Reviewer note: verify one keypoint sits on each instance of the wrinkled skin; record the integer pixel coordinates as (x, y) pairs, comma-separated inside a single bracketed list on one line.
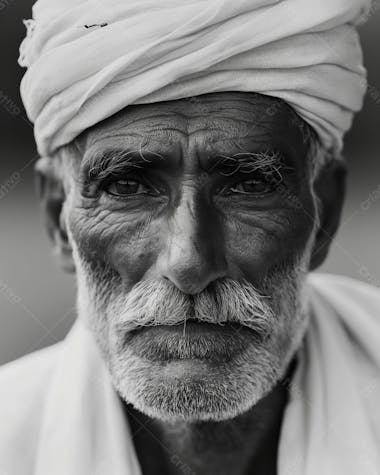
[(179, 218)]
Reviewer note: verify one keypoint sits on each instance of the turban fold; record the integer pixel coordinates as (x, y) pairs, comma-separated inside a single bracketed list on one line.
[(89, 59)]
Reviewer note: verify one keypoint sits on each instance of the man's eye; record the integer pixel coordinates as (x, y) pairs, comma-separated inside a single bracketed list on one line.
[(126, 188), (257, 186)]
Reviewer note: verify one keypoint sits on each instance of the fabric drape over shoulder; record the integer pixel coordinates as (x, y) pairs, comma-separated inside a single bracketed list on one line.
[(88, 59)]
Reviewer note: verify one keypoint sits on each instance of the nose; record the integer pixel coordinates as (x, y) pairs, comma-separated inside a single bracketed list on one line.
[(193, 254)]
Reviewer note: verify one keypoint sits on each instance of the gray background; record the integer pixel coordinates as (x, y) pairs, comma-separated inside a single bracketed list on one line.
[(37, 301)]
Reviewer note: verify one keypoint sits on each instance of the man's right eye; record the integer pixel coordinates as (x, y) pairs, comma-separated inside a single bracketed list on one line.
[(127, 187)]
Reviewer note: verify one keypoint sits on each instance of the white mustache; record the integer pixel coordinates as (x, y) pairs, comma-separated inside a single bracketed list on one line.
[(158, 302)]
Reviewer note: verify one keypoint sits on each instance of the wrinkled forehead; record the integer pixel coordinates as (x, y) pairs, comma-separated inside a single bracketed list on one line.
[(226, 120)]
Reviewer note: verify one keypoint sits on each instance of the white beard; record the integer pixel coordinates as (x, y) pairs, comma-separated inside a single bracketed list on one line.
[(228, 390)]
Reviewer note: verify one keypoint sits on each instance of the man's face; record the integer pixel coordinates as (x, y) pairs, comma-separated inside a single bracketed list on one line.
[(191, 223)]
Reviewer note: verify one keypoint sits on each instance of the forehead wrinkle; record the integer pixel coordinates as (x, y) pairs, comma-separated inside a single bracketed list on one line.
[(219, 109), (244, 110), (238, 143), (193, 122), (141, 123), (206, 124), (193, 129), (128, 140), (246, 101), (147, 132)]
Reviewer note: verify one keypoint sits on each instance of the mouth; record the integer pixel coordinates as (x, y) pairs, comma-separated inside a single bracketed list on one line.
[(191, 340)]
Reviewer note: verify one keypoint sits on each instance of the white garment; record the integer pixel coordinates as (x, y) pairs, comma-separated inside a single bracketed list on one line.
[(88, 59), (59, 414)]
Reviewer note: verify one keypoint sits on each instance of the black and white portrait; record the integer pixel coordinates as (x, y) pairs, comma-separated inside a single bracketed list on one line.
[(190, 271)]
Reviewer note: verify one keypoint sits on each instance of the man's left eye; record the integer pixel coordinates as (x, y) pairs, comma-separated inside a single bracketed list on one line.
[(252, 186), (127, 188)]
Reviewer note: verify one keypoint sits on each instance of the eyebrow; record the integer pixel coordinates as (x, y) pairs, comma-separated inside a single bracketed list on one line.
[(266, 162), (114, 161)]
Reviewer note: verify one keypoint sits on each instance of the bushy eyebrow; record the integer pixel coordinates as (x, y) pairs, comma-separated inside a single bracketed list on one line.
[(270, 162), (101, 164)]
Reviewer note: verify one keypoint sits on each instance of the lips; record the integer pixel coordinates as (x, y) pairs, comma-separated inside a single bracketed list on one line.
[(194, 340)]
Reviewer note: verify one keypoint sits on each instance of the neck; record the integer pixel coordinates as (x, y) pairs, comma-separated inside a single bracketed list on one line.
[(247, 443)]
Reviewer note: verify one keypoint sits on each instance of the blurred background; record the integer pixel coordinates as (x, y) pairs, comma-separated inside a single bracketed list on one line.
[(37, 300)]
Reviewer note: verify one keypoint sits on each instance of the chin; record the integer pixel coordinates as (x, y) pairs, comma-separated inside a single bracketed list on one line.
[(208, 374)]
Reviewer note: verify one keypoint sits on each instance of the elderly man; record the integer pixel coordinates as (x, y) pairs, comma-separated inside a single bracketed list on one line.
[(192, 177)]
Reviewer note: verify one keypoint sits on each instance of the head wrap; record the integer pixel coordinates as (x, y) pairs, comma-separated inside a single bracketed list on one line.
[(88, 59)]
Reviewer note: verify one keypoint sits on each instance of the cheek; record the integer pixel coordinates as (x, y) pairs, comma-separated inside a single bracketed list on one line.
[(135, 249), (128, 246), (257, 244)]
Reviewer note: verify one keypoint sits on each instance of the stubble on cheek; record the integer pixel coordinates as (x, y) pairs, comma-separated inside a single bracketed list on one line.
[(111, 252)]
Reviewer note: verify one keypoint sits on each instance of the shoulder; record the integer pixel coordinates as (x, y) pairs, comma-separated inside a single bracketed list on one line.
[(24, 370), (24, 384), (338, 288), (355, 305)]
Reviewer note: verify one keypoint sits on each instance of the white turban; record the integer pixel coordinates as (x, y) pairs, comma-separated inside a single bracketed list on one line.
[(88, 59)]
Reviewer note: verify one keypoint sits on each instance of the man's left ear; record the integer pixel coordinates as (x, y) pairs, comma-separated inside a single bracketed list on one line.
[(330, 188), (52, 196)]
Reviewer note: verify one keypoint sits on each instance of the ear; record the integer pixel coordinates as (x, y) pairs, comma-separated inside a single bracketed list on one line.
[(52, 196), (330, 189)]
